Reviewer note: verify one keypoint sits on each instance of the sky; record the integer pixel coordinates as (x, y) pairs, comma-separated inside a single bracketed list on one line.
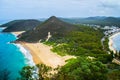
[(35, 9)]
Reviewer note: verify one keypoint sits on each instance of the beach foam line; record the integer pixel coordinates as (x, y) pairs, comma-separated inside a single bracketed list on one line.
[(25, 51), (1, 29), (14, 35), (27, 55)]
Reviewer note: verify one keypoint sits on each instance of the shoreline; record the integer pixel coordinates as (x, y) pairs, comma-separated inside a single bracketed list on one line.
[(42, 53), (27, 55), (35, 58), (24, 50), (110, 43)]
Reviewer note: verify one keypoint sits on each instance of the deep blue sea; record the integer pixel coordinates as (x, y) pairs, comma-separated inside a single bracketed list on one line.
[(11, 58)]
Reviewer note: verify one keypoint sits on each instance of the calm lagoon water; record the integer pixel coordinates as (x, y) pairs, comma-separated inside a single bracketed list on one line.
[(116, 42)]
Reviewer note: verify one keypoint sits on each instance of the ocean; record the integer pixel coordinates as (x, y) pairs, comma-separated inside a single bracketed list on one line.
[(12, 57)]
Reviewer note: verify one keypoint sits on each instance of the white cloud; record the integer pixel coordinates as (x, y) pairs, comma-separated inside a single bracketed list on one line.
[(65, 8), (110, 3)]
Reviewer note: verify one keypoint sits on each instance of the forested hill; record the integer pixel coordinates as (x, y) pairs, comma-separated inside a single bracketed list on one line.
[(92, 62), (8, 23), (103, 21), (53, 25), (20, 25)]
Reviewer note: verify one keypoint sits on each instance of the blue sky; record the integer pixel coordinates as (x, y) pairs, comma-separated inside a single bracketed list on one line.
[(19, 9)]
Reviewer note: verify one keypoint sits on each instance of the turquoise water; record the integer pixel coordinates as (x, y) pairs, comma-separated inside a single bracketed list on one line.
[(11, 58), (116, 42)]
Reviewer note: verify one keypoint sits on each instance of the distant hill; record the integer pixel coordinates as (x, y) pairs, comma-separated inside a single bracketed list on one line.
[(9, 23), (20, 25), (103, 21), (55, 26)]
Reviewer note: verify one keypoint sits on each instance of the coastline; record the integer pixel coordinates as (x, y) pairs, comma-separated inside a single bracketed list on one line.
[(42, 53), (26, 52), (111, 42), (27, 55), (32, 52)]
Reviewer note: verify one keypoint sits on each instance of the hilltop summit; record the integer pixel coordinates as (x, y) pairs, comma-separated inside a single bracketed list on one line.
[(53, 26)]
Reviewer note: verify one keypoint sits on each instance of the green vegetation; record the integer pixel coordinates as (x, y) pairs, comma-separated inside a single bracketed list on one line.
[(106, 46), (20, 25), (92, 61), (9, 23), (38, 72), (53, 25), (102, 21), (114, 75), (81, 68), (26, 73), (84, 42)]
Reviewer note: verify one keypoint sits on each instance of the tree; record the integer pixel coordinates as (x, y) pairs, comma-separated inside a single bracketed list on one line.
[(43, 71), (29, 73), (26, 73), (82, 69), (114, 75)]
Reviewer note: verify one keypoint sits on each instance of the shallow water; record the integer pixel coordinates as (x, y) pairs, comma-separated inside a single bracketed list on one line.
[(116, 42)]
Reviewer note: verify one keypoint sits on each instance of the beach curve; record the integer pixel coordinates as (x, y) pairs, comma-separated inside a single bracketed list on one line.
[(42, 53)]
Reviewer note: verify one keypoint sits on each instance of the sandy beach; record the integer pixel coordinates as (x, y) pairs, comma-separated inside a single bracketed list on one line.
[(42, 53), (111, 42)]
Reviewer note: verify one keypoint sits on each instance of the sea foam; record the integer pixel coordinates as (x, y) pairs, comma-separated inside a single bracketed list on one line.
[(29, 59), (26, 53)]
